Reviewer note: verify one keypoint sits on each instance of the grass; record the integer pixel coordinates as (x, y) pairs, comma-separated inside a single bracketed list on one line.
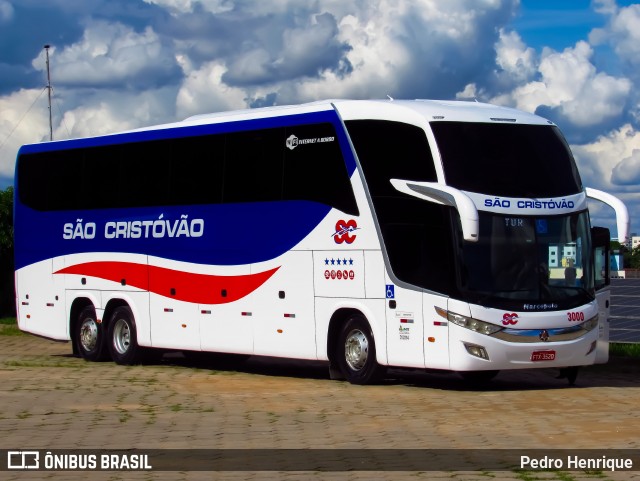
[(8, 327), (623, 349)]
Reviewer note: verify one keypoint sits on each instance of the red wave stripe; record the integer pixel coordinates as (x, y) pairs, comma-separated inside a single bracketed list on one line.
[(180, 285)]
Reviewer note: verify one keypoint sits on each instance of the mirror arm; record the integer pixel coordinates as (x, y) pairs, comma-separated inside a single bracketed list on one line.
[(622, 214), (443, 194)]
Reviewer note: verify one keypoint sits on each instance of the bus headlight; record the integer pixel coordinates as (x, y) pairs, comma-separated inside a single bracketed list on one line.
[(473, 324)]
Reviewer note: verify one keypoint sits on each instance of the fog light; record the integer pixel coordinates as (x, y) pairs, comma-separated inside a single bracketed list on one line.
[(592, 348), (477, 351)]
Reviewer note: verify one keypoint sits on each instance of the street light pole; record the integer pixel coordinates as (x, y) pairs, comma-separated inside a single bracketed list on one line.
[(46, 48)]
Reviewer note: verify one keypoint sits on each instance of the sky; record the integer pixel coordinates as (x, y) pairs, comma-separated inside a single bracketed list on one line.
[(122, 64)]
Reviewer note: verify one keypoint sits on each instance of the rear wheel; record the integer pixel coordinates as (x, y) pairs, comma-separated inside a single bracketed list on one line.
[(122, 337), (356, 352), (89, 336)]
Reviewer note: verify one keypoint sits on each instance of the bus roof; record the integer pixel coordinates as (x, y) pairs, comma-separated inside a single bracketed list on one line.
[(417, 112), (434, 110), (428, 110), (455, 110)]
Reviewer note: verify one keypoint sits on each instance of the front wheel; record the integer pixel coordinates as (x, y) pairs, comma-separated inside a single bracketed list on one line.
[(356, 352), (569, 373), (122, 337)]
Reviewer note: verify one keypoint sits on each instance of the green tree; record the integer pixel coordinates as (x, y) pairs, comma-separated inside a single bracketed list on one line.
[(7, 289), (633, 259)]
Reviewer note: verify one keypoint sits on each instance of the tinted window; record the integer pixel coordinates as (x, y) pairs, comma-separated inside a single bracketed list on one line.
[(253, 167), (507, 160), (250, 166), (40, 184), (417, 234), (391, 150), (197, 170), (418, 240), (314, 168)]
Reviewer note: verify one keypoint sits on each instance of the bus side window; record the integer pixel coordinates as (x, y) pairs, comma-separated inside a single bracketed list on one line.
[(253, 166), (417, 234), (316, 171), (197, 168), (145, 173)]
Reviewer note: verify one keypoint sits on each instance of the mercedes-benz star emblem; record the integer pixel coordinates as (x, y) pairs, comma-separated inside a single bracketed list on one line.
[(544, 335)]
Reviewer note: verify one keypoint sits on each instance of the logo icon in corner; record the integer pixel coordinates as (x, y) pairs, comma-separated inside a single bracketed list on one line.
[(292, 142), (344, 231), (510, 319)]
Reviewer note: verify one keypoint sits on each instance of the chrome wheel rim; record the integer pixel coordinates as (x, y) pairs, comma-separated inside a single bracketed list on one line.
[(356, 349), (89, 334), (121, 336)]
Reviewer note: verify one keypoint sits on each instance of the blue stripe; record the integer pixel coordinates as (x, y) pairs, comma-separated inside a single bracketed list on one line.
[(234, 234)]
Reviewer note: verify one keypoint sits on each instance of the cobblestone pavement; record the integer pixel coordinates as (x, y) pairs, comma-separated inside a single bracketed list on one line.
[(51, 400)]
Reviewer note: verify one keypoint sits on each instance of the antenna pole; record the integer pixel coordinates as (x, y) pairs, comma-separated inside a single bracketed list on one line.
[(46, 48)]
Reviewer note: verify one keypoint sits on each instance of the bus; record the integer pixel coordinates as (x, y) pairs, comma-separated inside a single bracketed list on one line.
[(364, 233)]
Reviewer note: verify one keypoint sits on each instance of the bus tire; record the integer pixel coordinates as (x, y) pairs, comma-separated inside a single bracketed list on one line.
[(122, 336), (89, 336), (356, 352), (569, 373)]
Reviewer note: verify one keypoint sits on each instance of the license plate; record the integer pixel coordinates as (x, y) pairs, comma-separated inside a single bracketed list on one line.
[(543, 356)]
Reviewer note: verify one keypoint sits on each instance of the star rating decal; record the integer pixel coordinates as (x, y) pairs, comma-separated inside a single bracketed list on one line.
[(338, 262)]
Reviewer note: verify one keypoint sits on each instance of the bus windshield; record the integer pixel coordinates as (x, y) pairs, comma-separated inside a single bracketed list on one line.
[(529, 263), (510, 160)]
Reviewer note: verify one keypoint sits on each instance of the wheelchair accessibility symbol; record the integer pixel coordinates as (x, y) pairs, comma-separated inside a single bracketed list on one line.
[(391, 294)]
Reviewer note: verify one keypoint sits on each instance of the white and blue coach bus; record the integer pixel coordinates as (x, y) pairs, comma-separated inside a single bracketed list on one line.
[(421, 234)]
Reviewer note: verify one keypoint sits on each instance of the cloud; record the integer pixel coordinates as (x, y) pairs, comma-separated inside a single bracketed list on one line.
[(304, 50), (113, 55), (514, 58), (605, 6), (409, 49), (23, 119), (627, 172), (607, 162), (92, 113), (571, 85), (204, 91), (177, 7), (622, 32), (612, 163), (6, 11)]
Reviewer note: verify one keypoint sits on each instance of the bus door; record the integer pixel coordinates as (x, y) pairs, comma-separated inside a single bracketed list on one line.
[(405, 330), (602, 265)]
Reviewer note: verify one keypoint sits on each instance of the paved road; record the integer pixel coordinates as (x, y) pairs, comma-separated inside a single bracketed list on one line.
[(51, 400), (625, 310)]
